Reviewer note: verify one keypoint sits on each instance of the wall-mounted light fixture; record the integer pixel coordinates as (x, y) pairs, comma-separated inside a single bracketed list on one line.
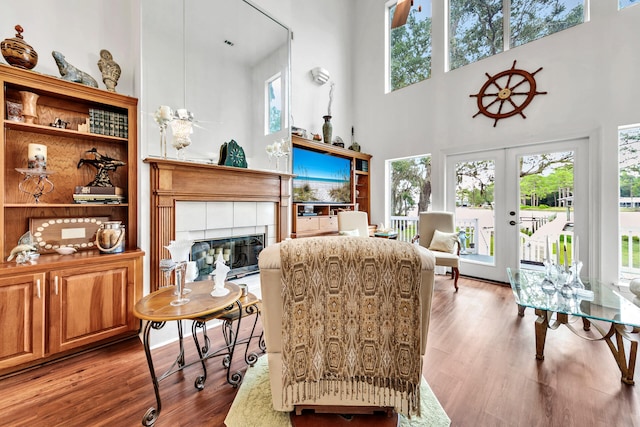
[(320, 75)]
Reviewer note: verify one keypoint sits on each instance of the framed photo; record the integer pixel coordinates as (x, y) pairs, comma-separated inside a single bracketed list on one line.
[(50, 234)]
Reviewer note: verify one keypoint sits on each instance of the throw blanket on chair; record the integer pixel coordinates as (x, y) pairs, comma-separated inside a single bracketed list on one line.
[(351, 320)]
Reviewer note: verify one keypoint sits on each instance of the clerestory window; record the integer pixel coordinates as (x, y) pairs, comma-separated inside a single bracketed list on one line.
[(409, 42), (626, 3), (482, 28)]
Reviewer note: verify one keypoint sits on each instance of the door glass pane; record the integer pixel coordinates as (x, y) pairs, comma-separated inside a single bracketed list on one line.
[(475, 219), (546, 207), (629, 202)]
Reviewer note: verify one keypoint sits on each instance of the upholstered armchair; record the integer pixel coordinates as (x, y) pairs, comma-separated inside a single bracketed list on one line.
[(350, 221), (436, 231), (345, 322)]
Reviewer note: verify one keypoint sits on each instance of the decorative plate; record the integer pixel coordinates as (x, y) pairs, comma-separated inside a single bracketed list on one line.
[(50, 234)]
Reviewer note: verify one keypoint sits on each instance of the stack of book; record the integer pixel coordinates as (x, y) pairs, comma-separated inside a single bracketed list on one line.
[(108, 123), (98, 195)]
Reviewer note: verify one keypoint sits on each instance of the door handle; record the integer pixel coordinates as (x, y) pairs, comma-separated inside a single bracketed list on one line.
[(512, 222), (55, 285), (38, 289)]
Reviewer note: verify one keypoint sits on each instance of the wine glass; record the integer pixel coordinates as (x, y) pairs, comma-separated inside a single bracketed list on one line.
[(167, 266), (181, 268)]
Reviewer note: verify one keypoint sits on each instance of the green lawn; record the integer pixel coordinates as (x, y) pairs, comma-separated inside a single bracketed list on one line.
[(625, 251)]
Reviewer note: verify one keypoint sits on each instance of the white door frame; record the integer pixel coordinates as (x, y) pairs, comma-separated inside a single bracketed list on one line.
[(507, 199)]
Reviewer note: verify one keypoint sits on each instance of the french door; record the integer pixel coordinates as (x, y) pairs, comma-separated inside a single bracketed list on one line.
[(513, 204)]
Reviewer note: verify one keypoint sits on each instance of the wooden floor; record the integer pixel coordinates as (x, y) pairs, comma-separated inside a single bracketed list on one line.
[(480, 364)]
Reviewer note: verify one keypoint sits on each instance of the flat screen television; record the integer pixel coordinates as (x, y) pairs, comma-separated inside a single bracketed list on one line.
[(320, 177)]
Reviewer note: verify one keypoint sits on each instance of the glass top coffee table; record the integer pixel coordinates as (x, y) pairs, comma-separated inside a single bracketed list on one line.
[(599, 301)]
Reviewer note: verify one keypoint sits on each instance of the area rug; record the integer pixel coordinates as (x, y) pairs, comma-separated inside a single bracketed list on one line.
[(252, 405)]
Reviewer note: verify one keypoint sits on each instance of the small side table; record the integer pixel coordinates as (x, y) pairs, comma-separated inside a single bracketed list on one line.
[(156, 309), (386, 234), (251, 306)]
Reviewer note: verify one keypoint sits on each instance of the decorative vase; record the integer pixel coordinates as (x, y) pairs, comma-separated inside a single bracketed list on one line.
[(29, 106), (327, 129), (17, 52), (179, 250)]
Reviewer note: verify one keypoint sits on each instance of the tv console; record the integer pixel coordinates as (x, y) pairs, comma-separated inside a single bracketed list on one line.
[(316, 219)]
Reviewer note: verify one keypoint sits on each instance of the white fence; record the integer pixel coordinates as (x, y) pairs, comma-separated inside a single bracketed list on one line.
[(476, 240)]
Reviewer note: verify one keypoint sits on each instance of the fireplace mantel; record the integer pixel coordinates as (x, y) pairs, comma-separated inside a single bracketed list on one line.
[(172, 181)]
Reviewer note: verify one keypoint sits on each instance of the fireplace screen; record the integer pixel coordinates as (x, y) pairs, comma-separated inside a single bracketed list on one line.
[(239, 253)]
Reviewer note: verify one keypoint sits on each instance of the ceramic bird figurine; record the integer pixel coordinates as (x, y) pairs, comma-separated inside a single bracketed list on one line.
[(24, 250)]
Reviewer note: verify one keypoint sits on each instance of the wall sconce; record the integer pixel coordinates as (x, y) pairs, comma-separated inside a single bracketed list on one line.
[(320, 75)]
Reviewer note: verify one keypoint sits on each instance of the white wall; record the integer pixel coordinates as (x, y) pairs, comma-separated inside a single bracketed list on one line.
[(322, 33), (590, 73), (79, 30)]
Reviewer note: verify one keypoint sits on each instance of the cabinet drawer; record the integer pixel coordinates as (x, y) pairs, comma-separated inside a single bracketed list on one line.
[(307, 224), (329, 223)]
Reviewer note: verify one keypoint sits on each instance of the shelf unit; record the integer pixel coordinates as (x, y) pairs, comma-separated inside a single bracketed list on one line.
[(323, 220), (57, 305)]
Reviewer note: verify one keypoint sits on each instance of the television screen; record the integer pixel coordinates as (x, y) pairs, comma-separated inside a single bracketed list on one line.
[(320, 177)]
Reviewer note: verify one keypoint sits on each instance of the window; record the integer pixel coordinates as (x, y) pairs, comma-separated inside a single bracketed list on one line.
[(409, 46), (629, 200), (273, 107), (625, 3), (410, 193), (482, 28)]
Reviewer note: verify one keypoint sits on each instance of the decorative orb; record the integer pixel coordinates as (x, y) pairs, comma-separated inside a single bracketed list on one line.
[(634, 286)]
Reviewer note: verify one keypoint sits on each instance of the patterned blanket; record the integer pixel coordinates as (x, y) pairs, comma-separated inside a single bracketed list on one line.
[(351, 320)]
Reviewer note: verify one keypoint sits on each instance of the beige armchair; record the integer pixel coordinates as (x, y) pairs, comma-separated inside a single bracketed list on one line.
[(446, 246), (345, 322), (348, 221)]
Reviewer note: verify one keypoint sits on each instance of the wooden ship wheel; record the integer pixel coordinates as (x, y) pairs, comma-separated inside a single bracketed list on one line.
[(507, 93)]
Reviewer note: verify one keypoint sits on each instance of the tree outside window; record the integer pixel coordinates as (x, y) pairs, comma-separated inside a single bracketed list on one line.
[(626, 3), (274, 104), (410, 185), (477, 28), (410, 46)]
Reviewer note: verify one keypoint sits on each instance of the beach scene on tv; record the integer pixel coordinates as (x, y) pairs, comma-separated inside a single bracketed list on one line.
[(320, 178)]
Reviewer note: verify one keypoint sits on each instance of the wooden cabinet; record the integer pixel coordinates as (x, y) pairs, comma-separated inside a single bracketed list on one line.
[(316, 219), (58, 304), (321, 218), (22, 314), (90, 303), (64, 304)]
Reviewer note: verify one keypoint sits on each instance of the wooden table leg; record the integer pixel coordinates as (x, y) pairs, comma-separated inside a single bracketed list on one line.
[(627, 366), (542, 324)]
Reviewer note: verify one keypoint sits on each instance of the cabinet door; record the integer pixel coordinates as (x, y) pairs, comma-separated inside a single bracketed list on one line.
[(22, 305), (329, 224), (90, 304), (306, 224)]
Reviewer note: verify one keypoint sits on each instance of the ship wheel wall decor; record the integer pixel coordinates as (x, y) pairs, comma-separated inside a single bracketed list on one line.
[(507, 93)]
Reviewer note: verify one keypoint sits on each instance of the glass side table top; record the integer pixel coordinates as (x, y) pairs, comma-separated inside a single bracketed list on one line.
[(598, 301)]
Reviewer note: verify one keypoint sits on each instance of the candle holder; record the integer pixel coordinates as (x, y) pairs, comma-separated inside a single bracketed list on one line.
[(35, 182), (162, 117), (576, 283), (276, 150)]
